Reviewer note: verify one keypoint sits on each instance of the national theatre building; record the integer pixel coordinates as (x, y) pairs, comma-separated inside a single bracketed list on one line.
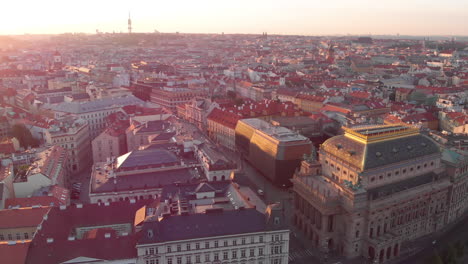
[(372, 190)]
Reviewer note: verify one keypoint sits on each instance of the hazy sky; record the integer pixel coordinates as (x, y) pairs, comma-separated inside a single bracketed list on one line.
[(310, 17)]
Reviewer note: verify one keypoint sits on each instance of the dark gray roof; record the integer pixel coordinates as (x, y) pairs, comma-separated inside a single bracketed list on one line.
[(148, 157), (219, 223), (373, 155), (80, 96), (205, 187), (153, 126), (187, 190), (164, 136), (145, 181), (390, 189)]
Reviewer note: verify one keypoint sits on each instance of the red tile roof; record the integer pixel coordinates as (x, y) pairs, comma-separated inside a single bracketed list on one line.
[(61, 223), (27, 217), (310, 97), (360, 94), (31, 201), (13, 254), (224, 118)]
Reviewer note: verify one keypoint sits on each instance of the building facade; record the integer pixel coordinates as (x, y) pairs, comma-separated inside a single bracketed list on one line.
[(236, 236), (376, 189), (275, 151), (72, 134)]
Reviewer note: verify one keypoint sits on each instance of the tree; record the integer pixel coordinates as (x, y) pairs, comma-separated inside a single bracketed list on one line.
[(450, 255), (24, 136), (435, 259), (460, 248)]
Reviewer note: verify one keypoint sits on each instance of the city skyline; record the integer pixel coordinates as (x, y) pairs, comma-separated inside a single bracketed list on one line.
[(295, 17)]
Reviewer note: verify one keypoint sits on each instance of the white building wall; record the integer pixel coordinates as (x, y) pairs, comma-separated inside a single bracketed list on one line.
[(271, 247), (34, 183)]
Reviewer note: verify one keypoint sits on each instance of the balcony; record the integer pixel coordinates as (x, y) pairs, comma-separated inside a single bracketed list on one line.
[(319, 192)]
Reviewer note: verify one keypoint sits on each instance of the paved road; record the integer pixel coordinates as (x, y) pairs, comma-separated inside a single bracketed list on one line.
[(84, 178)]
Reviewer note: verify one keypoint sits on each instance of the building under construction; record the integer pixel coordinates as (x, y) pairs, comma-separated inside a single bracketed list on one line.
[(273, 150)]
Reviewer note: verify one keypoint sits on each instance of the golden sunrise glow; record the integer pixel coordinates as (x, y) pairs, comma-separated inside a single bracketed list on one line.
[(241, 16)]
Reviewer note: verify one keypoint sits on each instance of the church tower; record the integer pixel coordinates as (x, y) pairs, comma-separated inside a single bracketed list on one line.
[(57, 60)]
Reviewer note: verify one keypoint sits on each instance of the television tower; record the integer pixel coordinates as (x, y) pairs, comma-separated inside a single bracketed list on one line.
[(129, 24)]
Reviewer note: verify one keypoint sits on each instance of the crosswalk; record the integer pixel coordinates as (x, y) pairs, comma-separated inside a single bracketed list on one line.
[(296, 255)]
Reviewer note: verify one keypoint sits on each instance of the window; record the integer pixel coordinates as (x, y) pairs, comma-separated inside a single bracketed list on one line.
[(260, 239), (197, 245), (404, 170), (425, 165), (252, 240), (252, 252), (207, 257), (234, 242), (225, 255), (372, 179), (276, 250), (432, 163), (151, 251), (234, 254), (418, 167), (179, 260), (225, 243), (216, 244), (242, 253), (188, 246), (188, 259), (169, 260), (411, 169), (243, 241), (276, 237), (2, 237), (397, 172), (216, 256), (207, 244), (10, 237), (169, 249), (197, 259), (26, 236)]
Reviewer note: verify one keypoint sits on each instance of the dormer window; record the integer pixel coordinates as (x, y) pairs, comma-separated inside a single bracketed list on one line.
[(276, 221)]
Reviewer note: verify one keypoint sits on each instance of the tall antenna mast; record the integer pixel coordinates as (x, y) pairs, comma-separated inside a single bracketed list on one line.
[(129, 24)]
